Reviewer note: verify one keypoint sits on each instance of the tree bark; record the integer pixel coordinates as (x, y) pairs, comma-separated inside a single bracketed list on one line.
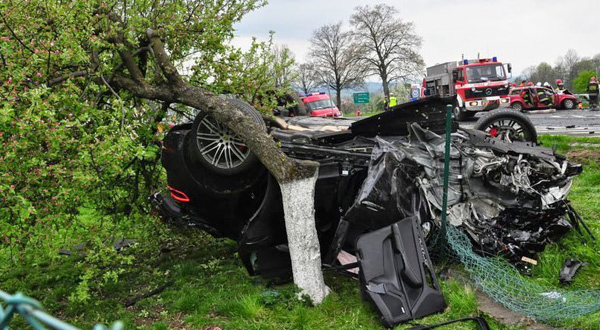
[(386, 89), (298, 206), (338, 97)]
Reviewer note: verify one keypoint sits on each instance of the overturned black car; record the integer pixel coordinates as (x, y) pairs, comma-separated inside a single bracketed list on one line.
[(375, 173)]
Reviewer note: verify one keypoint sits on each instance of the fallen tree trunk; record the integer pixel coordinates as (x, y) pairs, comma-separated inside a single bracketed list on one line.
[(296, 178), (298, 206)]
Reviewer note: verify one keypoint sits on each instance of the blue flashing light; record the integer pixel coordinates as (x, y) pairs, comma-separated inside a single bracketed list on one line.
[(310, 94), (495, 59), (466, 61), (322, 93)]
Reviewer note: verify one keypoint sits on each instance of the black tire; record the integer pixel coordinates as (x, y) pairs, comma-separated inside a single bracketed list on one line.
[(206, 182), (215, 147), (568, 104), (507, 124), (461, 114), (517, 106)]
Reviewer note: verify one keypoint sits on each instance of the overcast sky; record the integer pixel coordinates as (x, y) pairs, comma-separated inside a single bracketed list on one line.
[(522, 32)]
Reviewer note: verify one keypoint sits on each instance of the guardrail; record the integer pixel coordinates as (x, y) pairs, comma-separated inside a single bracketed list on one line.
[(32, 311)]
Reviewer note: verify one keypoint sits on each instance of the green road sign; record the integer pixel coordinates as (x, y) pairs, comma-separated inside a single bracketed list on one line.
[(362, 97)]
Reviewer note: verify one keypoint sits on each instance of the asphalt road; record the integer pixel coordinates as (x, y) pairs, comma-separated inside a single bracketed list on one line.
[(576, 122)]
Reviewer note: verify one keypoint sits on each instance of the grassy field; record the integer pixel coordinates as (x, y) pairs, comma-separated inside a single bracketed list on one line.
[(205, 286)]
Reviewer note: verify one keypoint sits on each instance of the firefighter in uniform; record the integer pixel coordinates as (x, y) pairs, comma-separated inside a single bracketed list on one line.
[(544, 96), (592, 90), (526, 95), (559, 85)]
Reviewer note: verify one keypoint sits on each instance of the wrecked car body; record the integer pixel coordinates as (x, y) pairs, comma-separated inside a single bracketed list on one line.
[(510, 198)]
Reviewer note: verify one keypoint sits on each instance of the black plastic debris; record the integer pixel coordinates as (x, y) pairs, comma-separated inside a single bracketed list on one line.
[(569, 269), (396, 273), (429, 113), (80, 249)]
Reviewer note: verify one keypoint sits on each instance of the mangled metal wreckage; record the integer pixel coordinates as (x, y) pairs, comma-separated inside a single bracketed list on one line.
[(378, 196), (510, 198)]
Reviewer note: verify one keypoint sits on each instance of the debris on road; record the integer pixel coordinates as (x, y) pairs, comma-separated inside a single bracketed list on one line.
[(569, 269)]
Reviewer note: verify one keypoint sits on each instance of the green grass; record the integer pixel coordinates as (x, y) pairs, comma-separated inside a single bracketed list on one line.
[(566, 143), (210, 287), (370, 114), (585, 197)]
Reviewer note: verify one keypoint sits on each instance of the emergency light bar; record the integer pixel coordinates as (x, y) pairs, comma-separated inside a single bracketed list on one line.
[(479, 60), (311, 94)]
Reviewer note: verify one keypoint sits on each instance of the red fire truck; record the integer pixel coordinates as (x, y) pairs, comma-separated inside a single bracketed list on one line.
[(478, 85), (320, 105)]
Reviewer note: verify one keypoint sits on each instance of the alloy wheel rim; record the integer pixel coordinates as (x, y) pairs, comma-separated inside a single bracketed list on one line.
[(569, 104), (508, 130), (219, 146)]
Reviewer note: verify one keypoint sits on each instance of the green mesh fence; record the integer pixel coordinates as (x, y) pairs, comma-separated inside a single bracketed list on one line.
[(503, 282)]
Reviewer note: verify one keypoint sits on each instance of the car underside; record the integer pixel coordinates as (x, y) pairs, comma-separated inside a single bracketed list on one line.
[(508, 197)]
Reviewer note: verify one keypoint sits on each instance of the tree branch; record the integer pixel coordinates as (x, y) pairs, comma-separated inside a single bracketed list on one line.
[(120, 65), (125, 55), (15, 35), (163, 60), (75, 74), (160, 92), (133, 69)]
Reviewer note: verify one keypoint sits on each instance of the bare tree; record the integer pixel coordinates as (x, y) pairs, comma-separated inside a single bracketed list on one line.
[(541, 73), (388, 44), (566, 65), (337, 59), (306, 78), (596, 61), (527, 73)]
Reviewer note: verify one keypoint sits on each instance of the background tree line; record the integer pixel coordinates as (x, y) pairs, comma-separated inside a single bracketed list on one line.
[(575, 71), (378, 43)]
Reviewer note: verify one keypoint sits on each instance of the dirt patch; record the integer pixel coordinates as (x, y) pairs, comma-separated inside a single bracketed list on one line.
[(506, 316), (584, 156), (494, 309)]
